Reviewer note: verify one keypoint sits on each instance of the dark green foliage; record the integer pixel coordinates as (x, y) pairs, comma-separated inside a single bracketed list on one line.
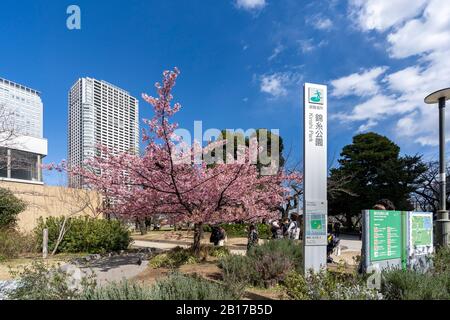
[(373, 169), (85, 234), (184, 287), (235, 139), (10, 207), (13, 244), (234, 230)]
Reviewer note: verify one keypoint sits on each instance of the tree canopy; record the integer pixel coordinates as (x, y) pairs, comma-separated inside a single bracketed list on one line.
[(10, 207), (373, 169)]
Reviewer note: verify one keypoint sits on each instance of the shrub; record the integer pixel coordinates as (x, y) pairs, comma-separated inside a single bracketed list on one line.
[(237, 273), (10, 207), (13, 244), (441, 260), (183, 287), (174, 258), (272, 268), (264, 265), (289, 249), (40, 282), (218, 252), (328, 286), (413, 285), (124, 290), (85, 234)]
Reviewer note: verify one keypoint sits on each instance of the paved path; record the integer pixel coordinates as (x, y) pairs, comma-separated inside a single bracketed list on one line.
[(168, 246)]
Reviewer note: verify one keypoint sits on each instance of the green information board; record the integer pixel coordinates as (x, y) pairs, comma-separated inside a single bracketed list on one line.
[(421, 230), (385, 235)]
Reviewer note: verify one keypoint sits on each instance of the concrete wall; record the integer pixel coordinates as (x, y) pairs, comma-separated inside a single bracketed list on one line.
[(45, 201)]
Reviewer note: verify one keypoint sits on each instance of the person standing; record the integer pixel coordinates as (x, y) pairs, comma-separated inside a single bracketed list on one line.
[(275, 228), (215, 235), (222, 237), (293, 229), (337, 229), (253, 237)]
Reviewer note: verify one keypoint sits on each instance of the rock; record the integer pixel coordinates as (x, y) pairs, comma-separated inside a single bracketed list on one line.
[(7, 286)]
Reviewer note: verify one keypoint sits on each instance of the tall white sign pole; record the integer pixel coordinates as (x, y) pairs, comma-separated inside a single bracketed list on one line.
[(315, 177)]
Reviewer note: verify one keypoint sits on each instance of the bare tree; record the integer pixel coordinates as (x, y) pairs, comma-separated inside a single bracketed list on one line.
[(426, 196), (76, 201)]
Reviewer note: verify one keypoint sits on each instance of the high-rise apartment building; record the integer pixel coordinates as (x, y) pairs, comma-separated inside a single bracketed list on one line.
[(22, 145), (100, 114)]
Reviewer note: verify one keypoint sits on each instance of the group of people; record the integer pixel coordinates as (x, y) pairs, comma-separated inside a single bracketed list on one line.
[(286, 228)]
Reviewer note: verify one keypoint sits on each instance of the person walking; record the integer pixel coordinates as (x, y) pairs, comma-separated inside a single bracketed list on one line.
[(253, 237)]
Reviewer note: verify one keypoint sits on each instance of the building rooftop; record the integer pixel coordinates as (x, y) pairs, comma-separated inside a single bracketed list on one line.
[(19, 86)]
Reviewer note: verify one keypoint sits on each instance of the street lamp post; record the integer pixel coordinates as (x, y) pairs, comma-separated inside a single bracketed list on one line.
[(442, 223)]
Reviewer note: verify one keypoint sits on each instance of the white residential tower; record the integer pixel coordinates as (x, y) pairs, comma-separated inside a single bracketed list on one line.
[(100, 114)]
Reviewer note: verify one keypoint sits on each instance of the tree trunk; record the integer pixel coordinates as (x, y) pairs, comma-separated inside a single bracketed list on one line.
[(198, 231), (142, 226)]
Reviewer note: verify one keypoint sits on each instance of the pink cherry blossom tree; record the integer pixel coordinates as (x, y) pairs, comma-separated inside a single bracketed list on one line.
[(175, 179)]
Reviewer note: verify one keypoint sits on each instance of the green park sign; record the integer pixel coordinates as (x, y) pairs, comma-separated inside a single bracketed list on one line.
[(396, 238), (385, 235)]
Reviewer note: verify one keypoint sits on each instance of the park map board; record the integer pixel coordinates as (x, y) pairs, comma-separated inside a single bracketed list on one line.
[(385, 235), (421, 230)]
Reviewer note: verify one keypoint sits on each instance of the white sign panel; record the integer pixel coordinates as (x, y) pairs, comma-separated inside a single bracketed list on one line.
[(315, 173), (420, 235), (316, 223)]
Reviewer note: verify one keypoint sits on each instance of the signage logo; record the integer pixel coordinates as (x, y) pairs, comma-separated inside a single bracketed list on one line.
[(315, 95)]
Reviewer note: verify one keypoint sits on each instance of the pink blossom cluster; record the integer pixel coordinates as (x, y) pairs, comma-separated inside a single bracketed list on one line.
[(187, 191)]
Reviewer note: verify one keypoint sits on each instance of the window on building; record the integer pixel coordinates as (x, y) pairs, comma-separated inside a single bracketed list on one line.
[(24, 165)]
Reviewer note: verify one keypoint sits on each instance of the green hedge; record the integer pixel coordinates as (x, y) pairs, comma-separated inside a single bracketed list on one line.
[(85, 234), (234, 230)]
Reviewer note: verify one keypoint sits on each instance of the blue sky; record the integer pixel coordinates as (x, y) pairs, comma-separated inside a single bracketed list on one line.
[(242, 62)]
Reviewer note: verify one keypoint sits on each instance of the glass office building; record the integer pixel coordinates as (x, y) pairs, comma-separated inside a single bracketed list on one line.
[(22, 145)]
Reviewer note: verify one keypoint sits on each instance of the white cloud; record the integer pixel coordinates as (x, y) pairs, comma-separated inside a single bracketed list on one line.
[(428, 33), (367, 126), (414, 29), (383, 14), (274, 84), (251, 5), (323, 24), (308, 45), (359, 84), (277, 85), (278, 49)]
